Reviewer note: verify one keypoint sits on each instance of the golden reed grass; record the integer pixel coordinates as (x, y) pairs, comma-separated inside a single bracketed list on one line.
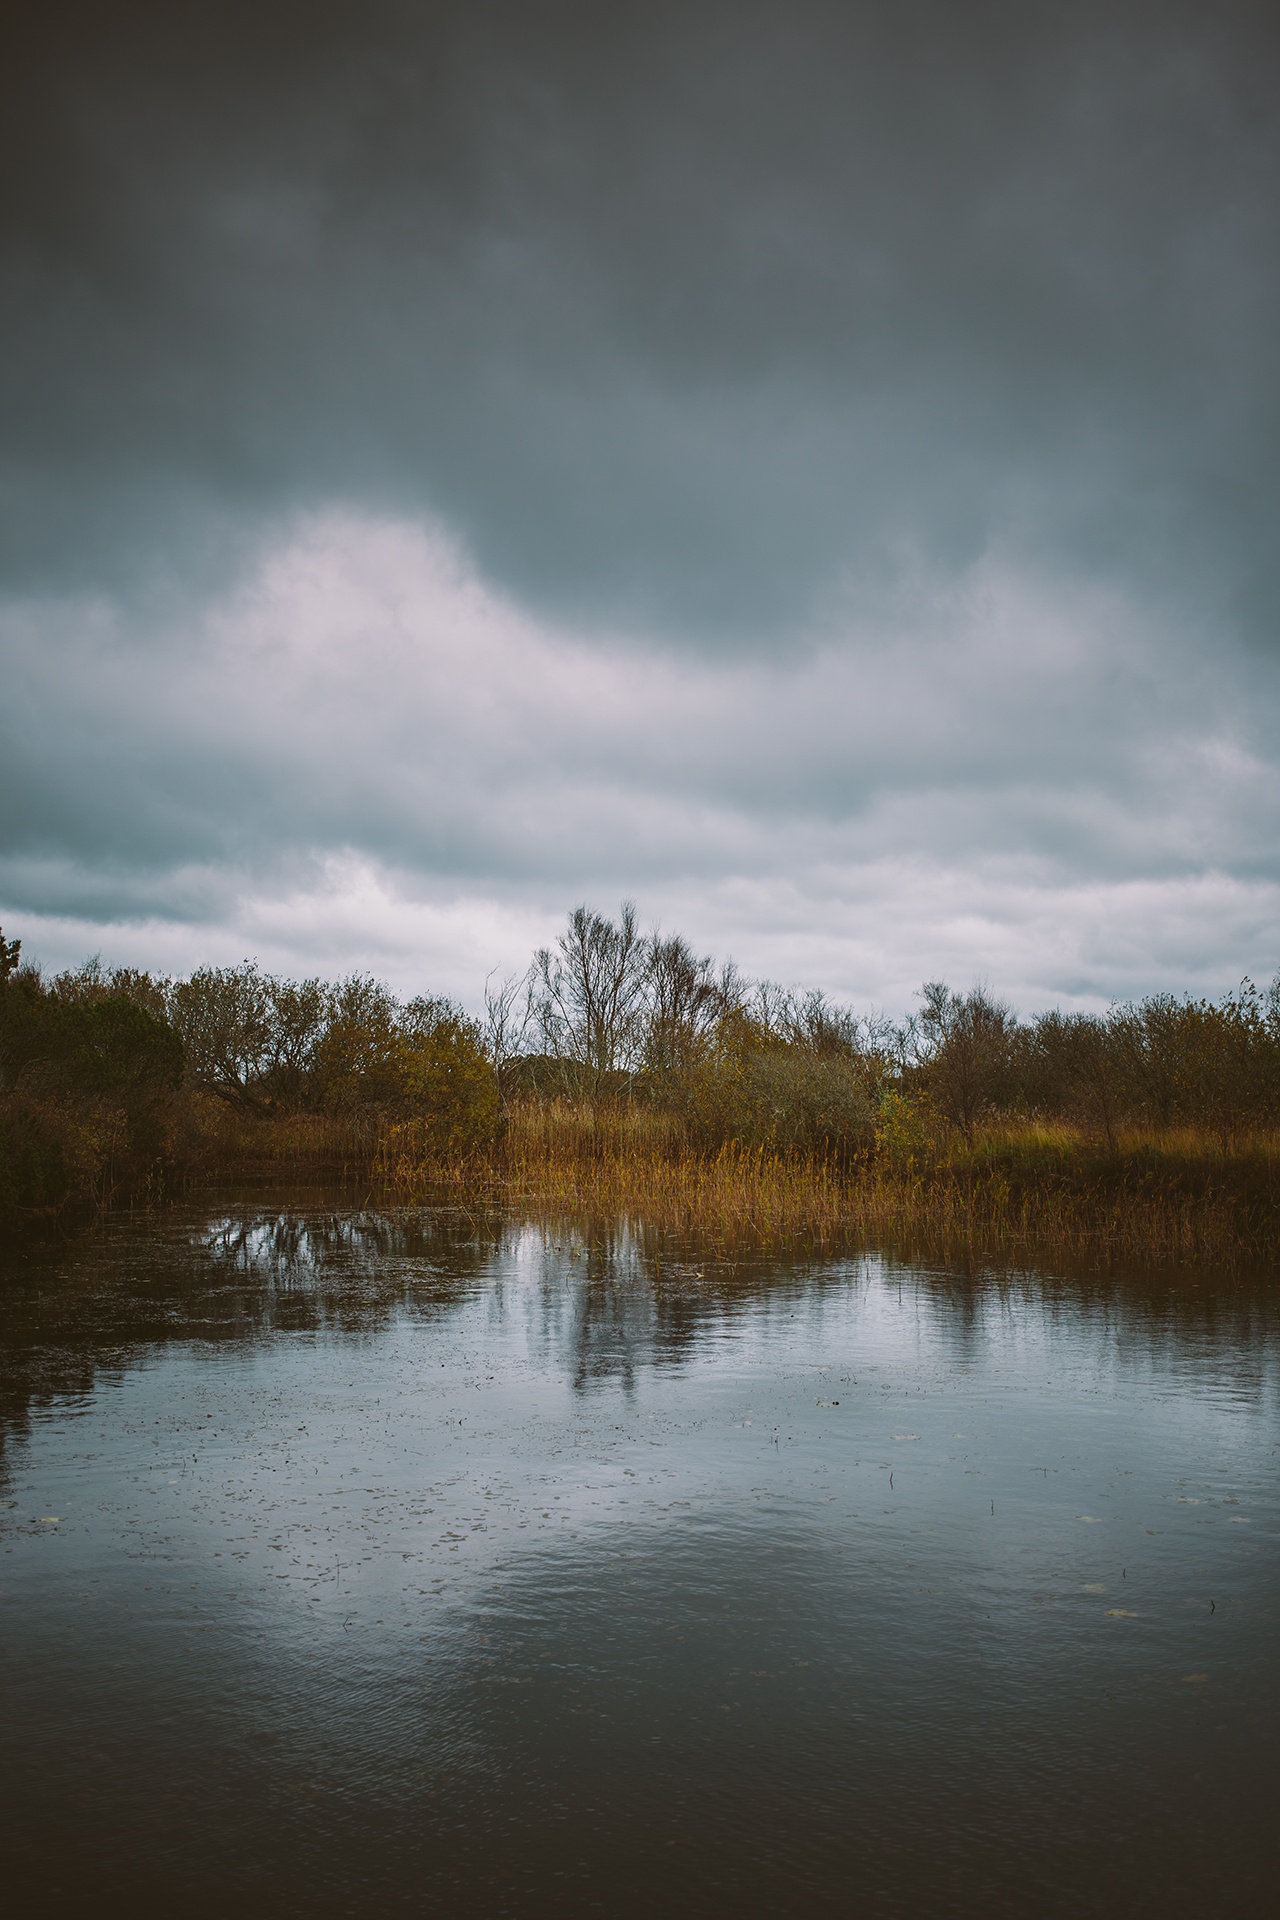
[(1046, 1194)]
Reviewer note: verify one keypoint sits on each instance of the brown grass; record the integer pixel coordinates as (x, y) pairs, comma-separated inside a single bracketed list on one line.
[(207, 1137), (1017, 1193), (1030, 1193)]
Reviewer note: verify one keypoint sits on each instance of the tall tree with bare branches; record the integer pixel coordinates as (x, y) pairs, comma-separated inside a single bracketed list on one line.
[(588, 992)]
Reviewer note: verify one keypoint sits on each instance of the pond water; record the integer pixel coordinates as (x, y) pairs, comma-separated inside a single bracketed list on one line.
[(364, 1563)]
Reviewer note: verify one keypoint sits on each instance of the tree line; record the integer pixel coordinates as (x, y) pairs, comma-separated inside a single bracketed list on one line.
[(96, 1063)]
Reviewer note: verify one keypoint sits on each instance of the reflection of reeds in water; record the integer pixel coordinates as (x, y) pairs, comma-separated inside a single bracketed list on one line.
[(1044, 1193)]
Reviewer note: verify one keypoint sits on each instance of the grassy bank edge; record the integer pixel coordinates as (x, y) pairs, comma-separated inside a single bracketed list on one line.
[(1009, 1193)]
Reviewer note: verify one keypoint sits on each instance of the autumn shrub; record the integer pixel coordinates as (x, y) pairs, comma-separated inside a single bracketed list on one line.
[(748, 1088), (87, 1081), (448, 1090)]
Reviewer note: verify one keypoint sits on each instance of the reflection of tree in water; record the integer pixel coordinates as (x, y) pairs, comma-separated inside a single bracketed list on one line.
[(615, 1296), (1205, 1323), (72, 1312), (600, 1300), (351, 1268), (601, 1309)]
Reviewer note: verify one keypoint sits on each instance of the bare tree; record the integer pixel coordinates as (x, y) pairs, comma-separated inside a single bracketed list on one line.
[(508, 1014), (682, 1002), (768, 1006), (811, 1021), (587, 992), (963, 1046)]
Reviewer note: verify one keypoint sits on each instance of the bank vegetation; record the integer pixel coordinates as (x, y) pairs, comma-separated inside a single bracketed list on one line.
[(626, 1075)]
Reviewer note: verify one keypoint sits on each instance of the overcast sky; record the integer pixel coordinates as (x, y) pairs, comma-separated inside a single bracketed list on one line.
[(811, 468)]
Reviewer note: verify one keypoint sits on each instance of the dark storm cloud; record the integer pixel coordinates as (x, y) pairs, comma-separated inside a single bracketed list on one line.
[(685, 312), (812, 466)]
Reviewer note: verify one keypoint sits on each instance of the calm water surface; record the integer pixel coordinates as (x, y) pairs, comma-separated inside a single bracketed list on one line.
[(359, 1563)]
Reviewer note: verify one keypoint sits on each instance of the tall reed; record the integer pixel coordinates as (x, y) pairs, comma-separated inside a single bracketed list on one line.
[(1008, 1193)]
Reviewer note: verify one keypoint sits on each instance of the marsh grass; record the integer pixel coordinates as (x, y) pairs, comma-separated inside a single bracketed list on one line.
[(1006, 1195)]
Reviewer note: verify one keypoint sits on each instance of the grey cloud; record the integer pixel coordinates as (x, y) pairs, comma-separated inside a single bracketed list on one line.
[(855, 427), (683, 315), (364, 691)]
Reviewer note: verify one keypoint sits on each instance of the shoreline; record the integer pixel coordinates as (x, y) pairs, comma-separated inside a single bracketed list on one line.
[(1011, 1198)]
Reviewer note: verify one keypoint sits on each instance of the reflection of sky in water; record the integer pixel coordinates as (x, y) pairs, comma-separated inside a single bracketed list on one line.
[(433, 1523)]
